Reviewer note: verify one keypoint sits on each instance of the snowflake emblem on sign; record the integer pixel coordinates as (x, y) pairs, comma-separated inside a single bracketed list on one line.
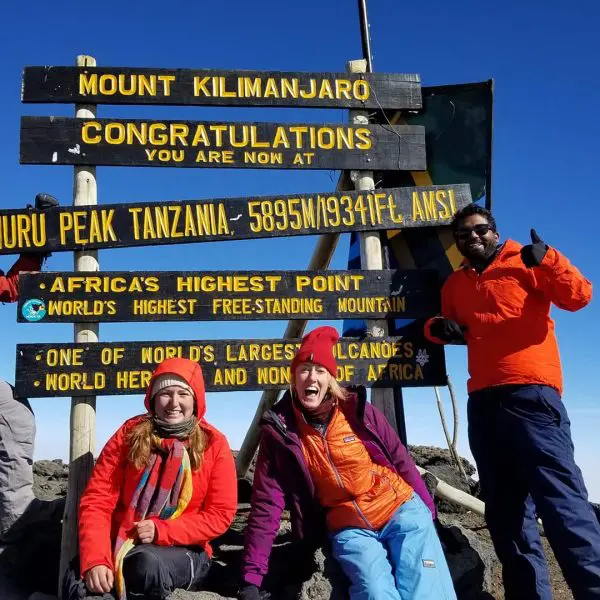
[(422, 357)]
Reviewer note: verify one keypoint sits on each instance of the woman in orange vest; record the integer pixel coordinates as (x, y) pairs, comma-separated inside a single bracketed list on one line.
[(331, 454), (163, 487)]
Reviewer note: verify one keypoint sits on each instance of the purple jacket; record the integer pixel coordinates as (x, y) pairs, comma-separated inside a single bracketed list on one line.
[(281, 478)]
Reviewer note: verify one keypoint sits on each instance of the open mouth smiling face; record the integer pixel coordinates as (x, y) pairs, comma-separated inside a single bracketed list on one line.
[(312, 383)]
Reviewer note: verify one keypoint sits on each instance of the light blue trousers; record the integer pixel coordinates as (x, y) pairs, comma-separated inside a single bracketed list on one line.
[(402, 561)]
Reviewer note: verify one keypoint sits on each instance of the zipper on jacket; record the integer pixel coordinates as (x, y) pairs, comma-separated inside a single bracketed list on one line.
[(341, 484)]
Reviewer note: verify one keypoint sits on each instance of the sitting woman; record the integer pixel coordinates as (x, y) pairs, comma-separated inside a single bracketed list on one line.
[(326, 452), (163, 487)]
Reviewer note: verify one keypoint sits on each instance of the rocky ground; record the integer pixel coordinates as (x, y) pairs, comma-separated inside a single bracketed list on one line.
[(28, 569)]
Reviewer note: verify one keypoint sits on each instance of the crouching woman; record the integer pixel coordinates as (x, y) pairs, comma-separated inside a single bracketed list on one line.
[(334, 460), (163, 487)]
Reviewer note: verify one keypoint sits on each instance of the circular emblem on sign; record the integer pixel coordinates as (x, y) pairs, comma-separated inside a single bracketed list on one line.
[(34, 310)]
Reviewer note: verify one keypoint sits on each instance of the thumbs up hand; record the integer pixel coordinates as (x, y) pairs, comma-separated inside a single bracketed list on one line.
[(533, 254)]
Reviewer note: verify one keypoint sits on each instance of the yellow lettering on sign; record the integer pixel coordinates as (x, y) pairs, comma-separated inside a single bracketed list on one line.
[(81, 308), (271, 89), (88, 83), (133, 380), (86, 130), (289, 88), (273, 375), (23, 230), (62, 357), (164, 306), (311, 92), (134, 84), (230, 376), (200, 88), (364, 135), (361, 89), (217, 136), (343, 89), (87, 227), (111, 355), (374, 305), (252, 88), (345, 373), (417, 212), (325, 90), (65, 382)]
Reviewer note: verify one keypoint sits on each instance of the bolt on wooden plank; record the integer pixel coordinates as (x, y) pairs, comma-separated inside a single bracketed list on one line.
[(222, 219), (209, 87), (226, 295), (152, 143), (44, 370)]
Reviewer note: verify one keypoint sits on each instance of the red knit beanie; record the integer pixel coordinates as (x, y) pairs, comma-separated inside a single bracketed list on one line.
[(317, 347)]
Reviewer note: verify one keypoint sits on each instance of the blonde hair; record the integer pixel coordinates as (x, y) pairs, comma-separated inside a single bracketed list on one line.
[(143, 440), (334, 389)]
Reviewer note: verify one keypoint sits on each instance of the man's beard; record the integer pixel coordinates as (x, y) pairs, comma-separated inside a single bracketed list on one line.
[(480, 260)]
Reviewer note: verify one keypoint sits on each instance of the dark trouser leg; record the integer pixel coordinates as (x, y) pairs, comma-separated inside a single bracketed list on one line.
[(557, 487), (508, 507), (153, 572), (73, 588)]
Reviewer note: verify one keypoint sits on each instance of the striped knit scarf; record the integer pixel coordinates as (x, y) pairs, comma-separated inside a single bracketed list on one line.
[(164, 491)]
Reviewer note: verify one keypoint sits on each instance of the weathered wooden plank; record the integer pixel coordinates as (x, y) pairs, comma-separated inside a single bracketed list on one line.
[(220, 219), (102, 369), (210, 87), (226, 295), (152, 143)]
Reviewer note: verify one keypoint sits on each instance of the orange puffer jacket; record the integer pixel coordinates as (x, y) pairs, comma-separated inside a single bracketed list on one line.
[(355, 491), (506, 312)]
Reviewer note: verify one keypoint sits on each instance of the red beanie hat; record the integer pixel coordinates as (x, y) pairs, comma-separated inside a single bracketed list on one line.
[(317, 347)]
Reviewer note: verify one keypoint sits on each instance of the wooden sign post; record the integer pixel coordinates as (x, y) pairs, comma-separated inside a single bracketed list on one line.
[(82, 440), (87, 367), (371, 256)]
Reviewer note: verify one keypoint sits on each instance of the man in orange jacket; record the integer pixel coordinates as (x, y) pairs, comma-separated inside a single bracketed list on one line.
[(498, 303)]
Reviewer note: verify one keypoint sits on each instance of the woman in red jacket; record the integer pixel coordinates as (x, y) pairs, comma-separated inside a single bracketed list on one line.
[(163, 487)]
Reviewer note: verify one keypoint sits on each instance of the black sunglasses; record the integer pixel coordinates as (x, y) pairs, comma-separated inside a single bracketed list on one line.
[(464, 233)]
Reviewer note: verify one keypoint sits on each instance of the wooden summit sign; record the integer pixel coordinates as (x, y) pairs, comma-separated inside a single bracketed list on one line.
[(44, 370), (226, 295), (188, 221), (125, 85), (151, 143)]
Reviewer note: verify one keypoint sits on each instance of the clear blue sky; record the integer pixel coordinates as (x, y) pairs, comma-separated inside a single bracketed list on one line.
[(543, 56)]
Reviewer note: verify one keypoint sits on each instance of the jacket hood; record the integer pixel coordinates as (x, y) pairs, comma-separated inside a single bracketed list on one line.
[(188, 370)]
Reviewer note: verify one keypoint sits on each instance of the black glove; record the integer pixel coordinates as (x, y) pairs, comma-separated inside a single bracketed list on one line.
[(44, 201), (448, 331), (533, 254), (248, 592)]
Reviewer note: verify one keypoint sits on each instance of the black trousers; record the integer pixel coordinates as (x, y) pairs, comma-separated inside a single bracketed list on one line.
[(151, 572), (520, 437)]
